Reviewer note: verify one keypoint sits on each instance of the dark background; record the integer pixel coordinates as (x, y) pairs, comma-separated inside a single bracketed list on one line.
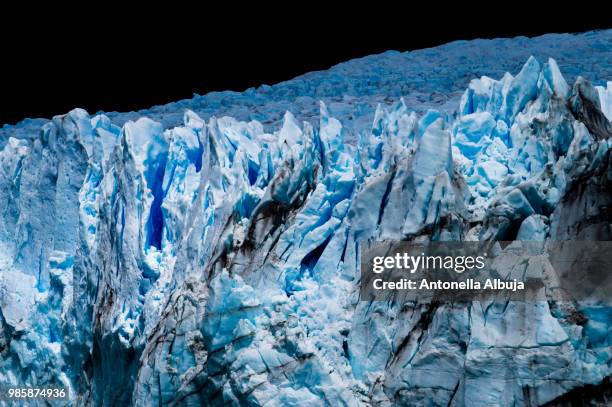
[(128, 61)]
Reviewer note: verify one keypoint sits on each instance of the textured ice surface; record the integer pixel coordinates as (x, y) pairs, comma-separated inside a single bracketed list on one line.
[(215, 261), (428, 78)]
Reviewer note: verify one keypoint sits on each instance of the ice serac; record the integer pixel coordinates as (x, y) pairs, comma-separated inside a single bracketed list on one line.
[(605, 98), (216, 263)]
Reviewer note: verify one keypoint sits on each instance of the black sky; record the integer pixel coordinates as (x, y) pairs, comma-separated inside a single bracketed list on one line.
[(127, 62)]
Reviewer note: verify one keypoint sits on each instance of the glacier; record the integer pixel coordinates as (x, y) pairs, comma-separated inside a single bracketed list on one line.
[(216, 261)]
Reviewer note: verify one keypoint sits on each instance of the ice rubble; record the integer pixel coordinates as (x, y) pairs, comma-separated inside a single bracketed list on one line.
[(213, 263)]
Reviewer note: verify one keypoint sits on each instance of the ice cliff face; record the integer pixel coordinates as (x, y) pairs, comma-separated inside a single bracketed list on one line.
[(214, 263)]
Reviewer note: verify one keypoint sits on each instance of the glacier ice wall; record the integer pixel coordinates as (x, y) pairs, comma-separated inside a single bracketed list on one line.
[(215, 263)]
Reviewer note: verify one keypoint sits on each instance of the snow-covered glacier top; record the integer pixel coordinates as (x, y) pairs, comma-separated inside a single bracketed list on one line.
[(428, 78), (187, 257)]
